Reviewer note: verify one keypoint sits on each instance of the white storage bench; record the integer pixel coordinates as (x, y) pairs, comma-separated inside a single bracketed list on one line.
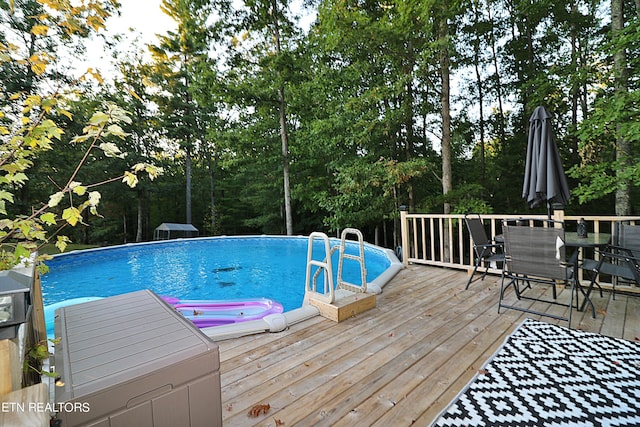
[(132, 360)]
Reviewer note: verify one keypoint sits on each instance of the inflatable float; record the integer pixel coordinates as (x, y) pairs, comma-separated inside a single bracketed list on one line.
[(207, 313)]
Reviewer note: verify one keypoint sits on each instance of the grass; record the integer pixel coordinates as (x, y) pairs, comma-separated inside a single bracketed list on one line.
[(51, 249)]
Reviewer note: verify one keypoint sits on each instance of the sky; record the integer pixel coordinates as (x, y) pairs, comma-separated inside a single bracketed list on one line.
[(142, 17), (145, 18)]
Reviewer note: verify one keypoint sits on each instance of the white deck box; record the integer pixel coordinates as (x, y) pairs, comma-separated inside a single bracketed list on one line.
[(132, 360)]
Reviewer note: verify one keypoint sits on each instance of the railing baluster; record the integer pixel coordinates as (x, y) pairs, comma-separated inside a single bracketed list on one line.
[(423, 236), (461, 240)]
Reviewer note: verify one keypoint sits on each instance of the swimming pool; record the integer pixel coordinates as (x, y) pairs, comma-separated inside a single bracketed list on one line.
[(203, 268)]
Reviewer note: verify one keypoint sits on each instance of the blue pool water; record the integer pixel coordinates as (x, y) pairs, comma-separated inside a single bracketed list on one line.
[(205, 268)]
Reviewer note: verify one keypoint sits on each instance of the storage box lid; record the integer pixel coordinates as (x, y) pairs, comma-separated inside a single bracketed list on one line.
[(113, 340)]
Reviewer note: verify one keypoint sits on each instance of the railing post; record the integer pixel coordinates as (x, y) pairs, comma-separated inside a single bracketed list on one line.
[(404, 234), (558, 214)]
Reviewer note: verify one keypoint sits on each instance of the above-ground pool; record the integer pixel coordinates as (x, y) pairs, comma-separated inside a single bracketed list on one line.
[(216, 268)]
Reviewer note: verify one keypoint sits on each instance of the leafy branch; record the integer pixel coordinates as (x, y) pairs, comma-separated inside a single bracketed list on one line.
[(24, 234)]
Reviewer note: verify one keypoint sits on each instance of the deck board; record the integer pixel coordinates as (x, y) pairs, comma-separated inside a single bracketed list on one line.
[(398, 364)]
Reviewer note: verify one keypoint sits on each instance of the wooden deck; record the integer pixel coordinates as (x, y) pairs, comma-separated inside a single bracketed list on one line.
[(398, 364)]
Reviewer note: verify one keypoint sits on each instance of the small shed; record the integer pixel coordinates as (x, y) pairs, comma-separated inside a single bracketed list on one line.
[(170, 230)]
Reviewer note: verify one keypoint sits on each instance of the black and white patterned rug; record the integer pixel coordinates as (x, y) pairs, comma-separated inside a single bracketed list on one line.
[(547, 375)]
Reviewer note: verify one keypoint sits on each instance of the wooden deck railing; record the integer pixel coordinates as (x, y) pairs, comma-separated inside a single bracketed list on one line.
[(443, 240)]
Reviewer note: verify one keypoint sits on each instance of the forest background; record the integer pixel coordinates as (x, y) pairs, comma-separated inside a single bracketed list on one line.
[(263, 126)]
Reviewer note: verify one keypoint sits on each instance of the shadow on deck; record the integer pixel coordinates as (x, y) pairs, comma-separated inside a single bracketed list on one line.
[(398, 364)]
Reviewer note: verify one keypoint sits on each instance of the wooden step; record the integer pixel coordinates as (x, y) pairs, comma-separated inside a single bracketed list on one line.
[(345, 307)]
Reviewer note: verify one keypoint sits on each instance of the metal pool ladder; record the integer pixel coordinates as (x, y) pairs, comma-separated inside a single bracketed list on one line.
[(325, 267)]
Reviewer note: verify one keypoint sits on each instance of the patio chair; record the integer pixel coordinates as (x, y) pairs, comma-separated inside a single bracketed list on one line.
[(621, 260), (536, 255), (486, 251)]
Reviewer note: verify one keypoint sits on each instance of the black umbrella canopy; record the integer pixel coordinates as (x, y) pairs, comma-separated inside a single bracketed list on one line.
[(544, 178)]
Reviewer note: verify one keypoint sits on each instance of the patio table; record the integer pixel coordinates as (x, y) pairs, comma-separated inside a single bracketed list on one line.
[(593, 241)]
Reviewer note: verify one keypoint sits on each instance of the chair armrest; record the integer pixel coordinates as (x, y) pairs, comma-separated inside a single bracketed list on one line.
[(490, 245), (618, 252)]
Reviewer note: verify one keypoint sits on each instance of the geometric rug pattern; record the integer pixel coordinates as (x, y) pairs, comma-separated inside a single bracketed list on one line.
[(548, 375)]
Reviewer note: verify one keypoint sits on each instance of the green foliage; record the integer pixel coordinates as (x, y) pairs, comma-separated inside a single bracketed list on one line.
[(366, 192), (36, 355), (363, 100), (605, 167), (468, 198), (26, 232), (30, 128)]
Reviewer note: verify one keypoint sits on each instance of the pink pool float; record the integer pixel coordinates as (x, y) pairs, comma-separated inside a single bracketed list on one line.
[(207, 313)]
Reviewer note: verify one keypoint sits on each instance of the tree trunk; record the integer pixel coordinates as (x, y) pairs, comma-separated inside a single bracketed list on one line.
[(407, 69), (447, 180), (140, 216), (447, 184), (476, 61), (575, 86), (494, 55), (623, 146), (283, 130), (212, 187), (188, 182), (188, 146), (285, 163), (124, 228)]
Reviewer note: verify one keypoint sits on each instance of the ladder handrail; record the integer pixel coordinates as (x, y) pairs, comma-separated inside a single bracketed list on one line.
[(325, 266), (359, 258)]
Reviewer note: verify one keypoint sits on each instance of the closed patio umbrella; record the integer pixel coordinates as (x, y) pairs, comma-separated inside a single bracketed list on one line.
[(544, 178)]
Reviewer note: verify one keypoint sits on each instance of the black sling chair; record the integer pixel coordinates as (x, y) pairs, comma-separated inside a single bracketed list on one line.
[(536, 255), (486, 251)]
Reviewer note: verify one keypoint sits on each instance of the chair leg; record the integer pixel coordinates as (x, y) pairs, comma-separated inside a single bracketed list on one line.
[(503, 288), (573, 289), (595, 282), (587, 295), (516, 287), (486, 271), (613, 288), (586, 299), (475, 269), (501, 293)]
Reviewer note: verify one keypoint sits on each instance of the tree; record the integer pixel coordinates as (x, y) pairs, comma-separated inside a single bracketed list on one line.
[(370, 88), (135, 98), (250, 102), (445, 64), (29, 128), (621, 87), (176, 59), (609, 135), (261, 57)]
